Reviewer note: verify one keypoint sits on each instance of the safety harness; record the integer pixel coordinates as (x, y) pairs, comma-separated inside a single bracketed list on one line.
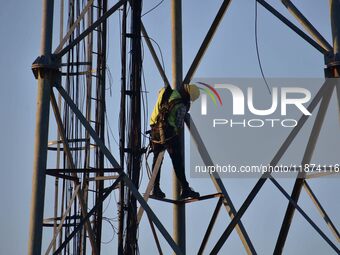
[(162, 126)]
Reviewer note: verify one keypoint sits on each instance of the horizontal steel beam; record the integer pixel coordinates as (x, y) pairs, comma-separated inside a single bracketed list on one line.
[(189, 200), (82, 170), (64, 176), (103, 178)]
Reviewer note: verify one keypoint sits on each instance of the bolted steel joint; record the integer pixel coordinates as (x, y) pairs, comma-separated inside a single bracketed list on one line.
[(44, 65), (332, 62)]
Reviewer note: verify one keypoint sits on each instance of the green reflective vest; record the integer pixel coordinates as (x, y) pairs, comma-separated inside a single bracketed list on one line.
[(172, 115)]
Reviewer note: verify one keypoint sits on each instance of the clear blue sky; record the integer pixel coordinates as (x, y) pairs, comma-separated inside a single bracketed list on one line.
[(231, 54)]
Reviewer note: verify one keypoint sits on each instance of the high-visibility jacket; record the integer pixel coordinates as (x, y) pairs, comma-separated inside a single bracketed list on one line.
[(175, 95)]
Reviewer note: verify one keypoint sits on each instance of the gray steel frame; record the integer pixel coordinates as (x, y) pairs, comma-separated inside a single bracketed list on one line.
[(46, 78), (113, 161)]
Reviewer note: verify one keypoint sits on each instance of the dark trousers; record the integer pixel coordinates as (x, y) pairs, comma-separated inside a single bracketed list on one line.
[(174, 150)]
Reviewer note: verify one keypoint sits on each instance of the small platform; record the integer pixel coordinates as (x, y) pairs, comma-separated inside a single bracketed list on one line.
[(188, 200)]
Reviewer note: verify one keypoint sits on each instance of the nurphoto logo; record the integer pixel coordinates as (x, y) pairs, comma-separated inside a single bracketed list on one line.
[(281, 100)]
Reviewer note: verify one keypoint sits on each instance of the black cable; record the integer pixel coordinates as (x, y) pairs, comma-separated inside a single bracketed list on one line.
[(153, 8), (108, 220), (257, 51), (159, 48)]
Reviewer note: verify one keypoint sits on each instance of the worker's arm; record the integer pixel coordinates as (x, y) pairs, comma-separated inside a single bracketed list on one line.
[(180, 114)]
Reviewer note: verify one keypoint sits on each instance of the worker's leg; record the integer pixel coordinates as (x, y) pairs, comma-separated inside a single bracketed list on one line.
[(157, 148), (174, 151)]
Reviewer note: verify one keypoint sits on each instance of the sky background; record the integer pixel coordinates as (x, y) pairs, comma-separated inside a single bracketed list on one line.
[(231, 54)]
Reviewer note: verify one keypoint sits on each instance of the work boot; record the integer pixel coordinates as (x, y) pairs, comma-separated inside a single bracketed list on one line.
[(157, 192), (189, 193)]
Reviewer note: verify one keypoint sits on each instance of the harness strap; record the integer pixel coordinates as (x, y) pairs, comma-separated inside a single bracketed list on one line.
[(165, 106), (166, 95), (164, 110)]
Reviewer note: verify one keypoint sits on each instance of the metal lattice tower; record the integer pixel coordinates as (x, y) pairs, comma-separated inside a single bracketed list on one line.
[(76, 72)]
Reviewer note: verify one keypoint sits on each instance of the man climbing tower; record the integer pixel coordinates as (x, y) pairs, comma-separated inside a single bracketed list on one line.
[(166, 123)]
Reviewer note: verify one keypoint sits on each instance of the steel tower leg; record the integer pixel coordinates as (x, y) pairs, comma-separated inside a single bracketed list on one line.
[(100, 115), (335, 22), (177, 77), (44, 77), (122, 124), (134, 159)]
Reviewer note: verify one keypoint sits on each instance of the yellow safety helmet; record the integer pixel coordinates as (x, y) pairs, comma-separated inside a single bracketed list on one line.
[(193, 91)]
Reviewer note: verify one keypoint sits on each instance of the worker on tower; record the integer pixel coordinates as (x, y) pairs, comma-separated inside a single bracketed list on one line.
[(166, 123)]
